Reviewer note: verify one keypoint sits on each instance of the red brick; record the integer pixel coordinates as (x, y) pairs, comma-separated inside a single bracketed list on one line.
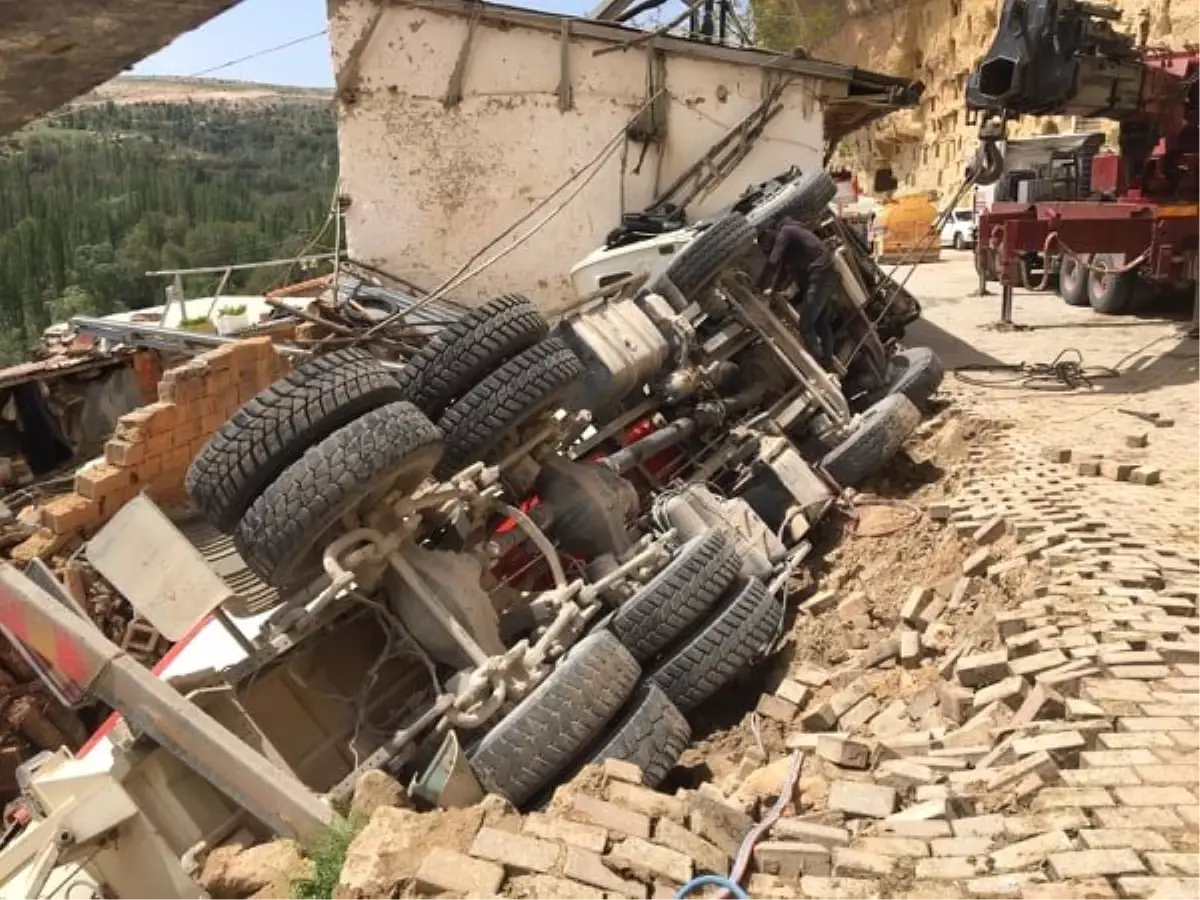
[(101, 480), (124, 453)]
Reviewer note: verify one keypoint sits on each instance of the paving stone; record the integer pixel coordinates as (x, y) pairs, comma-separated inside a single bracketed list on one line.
[(904, 773), (808, 674), (644, 859), (838, 888), (844, 751), (1058, 742), (1158, 888), (859, 714), (1130, 740), (1152, 795), (981, 669), (1042, 702), (1011, 691), (1031, 852), (446, 870), (1030, 825), (810, 832), (1169, 774), (1118, 775), (578, 834), (1147, 673), (583, 865), (901, 847), (1086, 889), (1096, 863), (1162, 818), (991, 825), (517, 852), (1001, 885), (647, 801), (1134, 838), (951, 868), (1081, 798), (927, 829), (855, 863), (1172, 864), (791, 859), (708, 858), (977, 562), (1106, 759), (859, 799), (1029, 666), (1040, 763), (962, 846), (1083, 709), (1155, 723)]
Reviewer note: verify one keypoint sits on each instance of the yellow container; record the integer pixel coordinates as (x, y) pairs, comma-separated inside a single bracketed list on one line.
[(903, 230)]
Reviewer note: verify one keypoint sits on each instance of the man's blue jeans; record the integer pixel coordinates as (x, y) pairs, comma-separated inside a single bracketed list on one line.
[(814, 312)]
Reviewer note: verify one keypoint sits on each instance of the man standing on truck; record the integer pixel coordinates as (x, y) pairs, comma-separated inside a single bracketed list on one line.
[(796, 255)]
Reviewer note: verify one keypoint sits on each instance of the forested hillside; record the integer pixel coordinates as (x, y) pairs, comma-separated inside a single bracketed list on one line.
[(99, 194)]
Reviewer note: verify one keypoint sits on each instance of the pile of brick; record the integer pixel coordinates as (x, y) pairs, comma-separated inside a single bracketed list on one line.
[(1055, 756), (150, 451), (152, 447)]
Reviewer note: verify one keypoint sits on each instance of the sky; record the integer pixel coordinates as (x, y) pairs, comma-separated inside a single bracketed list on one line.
[(256, 25)]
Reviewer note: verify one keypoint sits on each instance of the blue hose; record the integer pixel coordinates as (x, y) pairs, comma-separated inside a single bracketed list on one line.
[(720, 880)]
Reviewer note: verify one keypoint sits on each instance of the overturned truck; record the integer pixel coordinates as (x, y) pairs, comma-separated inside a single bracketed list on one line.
[(532, 548)]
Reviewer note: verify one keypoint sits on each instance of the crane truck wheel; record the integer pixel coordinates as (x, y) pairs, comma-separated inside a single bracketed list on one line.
[(678, 596), (916, 373), (814, 190), (478, 423), (558, 720), (876, 438), (698, 264), (1111, 293), (469, 349), (273, 430), (1073, 281), (739, 633), (283, 533), (651, 733)]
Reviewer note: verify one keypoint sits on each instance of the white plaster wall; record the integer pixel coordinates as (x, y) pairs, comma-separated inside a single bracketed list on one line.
[(429, 185)]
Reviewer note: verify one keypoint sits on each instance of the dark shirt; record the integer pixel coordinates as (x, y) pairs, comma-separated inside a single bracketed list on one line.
[(799, 253)]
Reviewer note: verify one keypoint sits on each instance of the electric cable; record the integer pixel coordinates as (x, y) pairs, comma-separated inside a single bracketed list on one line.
[(260, 53), (1066, 372)]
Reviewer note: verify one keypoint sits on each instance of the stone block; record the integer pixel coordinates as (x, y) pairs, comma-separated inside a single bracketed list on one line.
[(577, 834), (1061, 743), (988, 826), (793, 692), (1031, 852), (646, 801), (806, 832), (1010, 691), (446, 870), (706, 857), (1152, 795), (583, 865), (1116, 471), (717, 822), (1137, 886), (646, 860), (904, 773), (810, 675), (1122, 775), (951, 868), (1133, 838), (990, 531), (1173, 864), (854, 863), (791, 859), (844, 751), (583, 808), (978, 562), (981, 669), (1029, 666), (1123, 817), (1072, 798), (903, 847), (962, 846), (516, 852), (1095, 863), (860, 799), (918, 598), (776, 708), (1145, 475), (622, 770)]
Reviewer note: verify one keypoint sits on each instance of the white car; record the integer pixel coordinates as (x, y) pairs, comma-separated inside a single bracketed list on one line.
[(959, 231)]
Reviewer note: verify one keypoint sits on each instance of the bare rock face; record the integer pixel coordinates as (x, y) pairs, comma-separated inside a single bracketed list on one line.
[(375, 789), (389, 850), (267, 870)]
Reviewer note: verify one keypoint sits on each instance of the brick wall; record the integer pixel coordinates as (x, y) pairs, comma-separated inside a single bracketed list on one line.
[(152, 447)]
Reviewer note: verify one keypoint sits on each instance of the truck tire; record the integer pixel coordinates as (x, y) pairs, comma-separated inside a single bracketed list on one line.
[(274, 429), (552, 726), (699, 263), (916, 373), (1073, 281), (468, 349), (678, 596), (281, 535), (881, 431), (739, 633), (528, 384), (814, 191), (651, 733), (1110, 294)]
